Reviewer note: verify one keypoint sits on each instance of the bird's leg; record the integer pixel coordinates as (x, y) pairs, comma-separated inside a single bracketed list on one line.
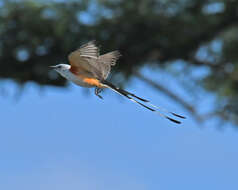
[(98, 91)]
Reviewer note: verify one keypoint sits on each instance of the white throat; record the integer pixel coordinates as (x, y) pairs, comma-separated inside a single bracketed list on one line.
[(66, 73)]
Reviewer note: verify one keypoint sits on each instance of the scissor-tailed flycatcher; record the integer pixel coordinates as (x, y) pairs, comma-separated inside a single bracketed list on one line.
[(89, 69)]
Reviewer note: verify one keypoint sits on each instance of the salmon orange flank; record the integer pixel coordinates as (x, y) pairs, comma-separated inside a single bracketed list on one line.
[(93, 82)]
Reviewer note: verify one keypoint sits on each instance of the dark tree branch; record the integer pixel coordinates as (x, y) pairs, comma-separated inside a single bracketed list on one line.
[(213, 65)]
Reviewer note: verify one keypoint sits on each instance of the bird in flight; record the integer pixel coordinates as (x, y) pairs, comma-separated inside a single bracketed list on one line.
[(90, 69)]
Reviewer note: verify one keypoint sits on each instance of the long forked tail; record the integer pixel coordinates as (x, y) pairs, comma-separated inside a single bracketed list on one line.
[(133, 98)]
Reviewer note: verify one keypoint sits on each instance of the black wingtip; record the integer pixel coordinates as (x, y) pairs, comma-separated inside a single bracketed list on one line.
[(180, 116), (173, 120)]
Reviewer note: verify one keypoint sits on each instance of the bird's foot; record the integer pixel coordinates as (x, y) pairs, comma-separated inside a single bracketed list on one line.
[(97, 92)]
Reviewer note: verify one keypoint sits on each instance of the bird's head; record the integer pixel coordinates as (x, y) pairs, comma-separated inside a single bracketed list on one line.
[(61, 68)]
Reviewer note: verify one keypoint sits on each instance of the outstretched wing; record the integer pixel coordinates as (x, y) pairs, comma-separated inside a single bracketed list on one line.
[(106, 61), (87, 58), (84, 59)]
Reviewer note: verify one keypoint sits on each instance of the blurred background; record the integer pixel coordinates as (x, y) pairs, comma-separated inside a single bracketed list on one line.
[(180, 54)]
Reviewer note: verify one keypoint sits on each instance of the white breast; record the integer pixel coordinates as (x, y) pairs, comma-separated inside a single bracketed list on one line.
[(70, 76)]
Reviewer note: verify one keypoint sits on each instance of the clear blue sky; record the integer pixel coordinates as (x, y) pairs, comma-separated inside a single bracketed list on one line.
[(63, 139)]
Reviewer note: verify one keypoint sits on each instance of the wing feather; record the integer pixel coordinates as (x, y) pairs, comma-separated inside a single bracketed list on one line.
[(107, 60), (83, 58), (87, 58)]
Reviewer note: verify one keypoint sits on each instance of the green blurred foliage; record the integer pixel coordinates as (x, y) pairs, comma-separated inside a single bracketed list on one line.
[(158, 33)]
